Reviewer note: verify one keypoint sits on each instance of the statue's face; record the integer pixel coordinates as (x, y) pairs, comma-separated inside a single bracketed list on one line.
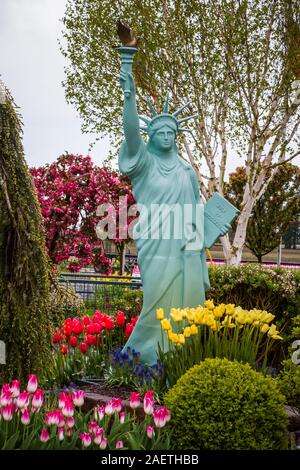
[(164, 138)]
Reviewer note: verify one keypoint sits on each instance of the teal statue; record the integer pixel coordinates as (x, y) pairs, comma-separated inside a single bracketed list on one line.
[(169, 234)]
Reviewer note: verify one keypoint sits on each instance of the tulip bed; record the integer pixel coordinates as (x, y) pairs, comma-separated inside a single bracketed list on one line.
[(92, 346), (29, 420)]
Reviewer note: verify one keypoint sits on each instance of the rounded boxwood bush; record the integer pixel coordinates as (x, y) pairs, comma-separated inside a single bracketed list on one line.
[(225, 405)]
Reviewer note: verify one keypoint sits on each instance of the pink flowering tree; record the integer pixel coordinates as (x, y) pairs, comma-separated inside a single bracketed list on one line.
[(70, 190)]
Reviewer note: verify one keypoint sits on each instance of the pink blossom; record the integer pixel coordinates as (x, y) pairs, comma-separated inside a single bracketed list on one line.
[(150, 431), (68, 409), (60, 434), (23, 400), (78, 398), (53, 418), (149, 403), (119, 445), (15, 388), (109, 410), (44, 437), (38, 398), (86, 438), (103, 443), (70, 422), (25, 418), (98, 436), (122, 417), (63, 398), (116, 404), (32, 383), (135, 400), (7, 412), (6, 398), (161, 416), (99, 412), (93, 426)]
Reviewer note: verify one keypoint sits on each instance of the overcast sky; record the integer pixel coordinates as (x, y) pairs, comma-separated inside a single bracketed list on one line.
[(32, 67)]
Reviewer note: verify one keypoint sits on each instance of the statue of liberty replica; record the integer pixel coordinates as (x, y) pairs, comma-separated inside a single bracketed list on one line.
[(169, 234)]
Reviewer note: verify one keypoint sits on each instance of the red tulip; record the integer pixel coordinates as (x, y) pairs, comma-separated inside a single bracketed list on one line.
[(83, 347), (128, 329), (89, 339), (120, 318), (73, 341), (63, 349)]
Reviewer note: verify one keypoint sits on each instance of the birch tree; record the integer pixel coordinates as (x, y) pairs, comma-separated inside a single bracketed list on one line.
[(237, 61)]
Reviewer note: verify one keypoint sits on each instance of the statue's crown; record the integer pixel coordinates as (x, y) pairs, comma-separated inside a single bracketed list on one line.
[(165, 115)]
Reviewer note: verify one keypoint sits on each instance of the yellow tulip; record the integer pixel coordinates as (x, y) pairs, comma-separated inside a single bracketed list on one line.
[(219, 311), (209, 304), (181, 339), (187, 331), (166, 324), (264, 328), (194, 330), (160, 313)]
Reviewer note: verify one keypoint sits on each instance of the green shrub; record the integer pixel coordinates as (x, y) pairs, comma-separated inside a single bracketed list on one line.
[(276, 290), (289, 383), (223, 405)]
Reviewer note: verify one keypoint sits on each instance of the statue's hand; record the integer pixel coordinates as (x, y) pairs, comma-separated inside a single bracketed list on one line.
[(127, 83)]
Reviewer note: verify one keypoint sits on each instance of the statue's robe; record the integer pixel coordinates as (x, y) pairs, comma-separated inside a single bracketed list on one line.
[(173, 271)]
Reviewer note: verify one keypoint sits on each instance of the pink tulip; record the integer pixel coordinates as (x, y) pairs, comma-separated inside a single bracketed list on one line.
[(86, 438), (53, 418), (103, 444), (7, 412), (93, 426), (69, 431), (122, 417), (135, 400), (60, 434), (38, 398), (149, 404), (32, 383), (150, 431), (78, 398), (109, 408), (99, 413), (44, 437), (15, 388), (116, 404), (161, 416), (6, 398), (5, 388), (23, 400), (25, 418), (119, 445), (70, 422), (98, 436), (68, 410), (63, 398)]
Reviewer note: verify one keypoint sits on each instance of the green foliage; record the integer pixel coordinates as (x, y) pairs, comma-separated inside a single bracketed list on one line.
[(113, 298), (273, 212), (25, 325), (222, 405), (276, 290), (182, 44), (289, 383)]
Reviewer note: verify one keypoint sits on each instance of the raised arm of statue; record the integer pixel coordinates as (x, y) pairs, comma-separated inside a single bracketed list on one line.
[(130, 114)]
